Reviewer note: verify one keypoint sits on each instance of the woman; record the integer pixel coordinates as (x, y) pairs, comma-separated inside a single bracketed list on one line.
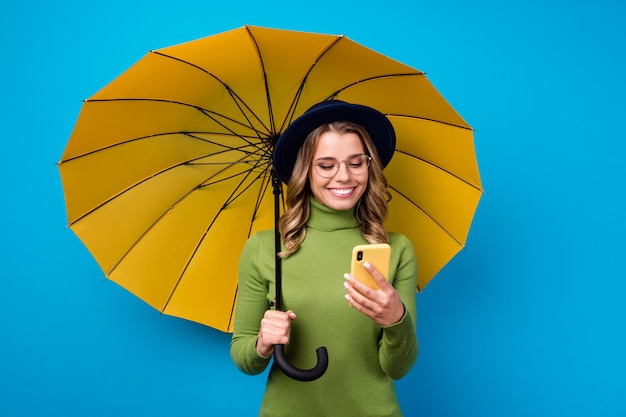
[(332, 159)]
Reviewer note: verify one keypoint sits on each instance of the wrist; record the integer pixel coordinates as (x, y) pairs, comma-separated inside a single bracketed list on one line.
[(264, 353), (399, 318)]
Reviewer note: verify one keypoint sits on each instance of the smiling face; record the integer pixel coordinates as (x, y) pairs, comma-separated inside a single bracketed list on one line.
[(343, 190)]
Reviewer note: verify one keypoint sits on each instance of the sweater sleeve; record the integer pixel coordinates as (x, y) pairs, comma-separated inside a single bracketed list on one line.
[(251, 306), (398, 347)]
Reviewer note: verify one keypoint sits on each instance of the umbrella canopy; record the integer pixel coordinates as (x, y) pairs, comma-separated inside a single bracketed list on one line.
[(168, 169)]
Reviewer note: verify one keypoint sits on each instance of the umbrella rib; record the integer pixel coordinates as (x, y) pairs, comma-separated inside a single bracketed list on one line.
[(193, 135), (429, 120), (182, 103), (236, 99), (174, 204), (232, 308), (187, 162), (232, 197), (265, 83), (374, 78), (298, 94), (380, 77), (431, 218), (204, 111), (384, 76), (477, 188), (249, 143), (264, 187)]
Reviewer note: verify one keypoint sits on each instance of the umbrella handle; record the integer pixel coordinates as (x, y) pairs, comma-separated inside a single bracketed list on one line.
[(288, 369), (298, 374)]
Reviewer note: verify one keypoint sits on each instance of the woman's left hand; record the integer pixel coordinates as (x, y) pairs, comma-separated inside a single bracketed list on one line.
[(383, 305)]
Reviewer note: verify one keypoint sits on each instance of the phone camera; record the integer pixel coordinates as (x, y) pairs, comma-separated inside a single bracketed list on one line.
[(359, 255)]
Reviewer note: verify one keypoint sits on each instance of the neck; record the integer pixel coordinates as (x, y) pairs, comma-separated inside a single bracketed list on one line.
[(325, 218)]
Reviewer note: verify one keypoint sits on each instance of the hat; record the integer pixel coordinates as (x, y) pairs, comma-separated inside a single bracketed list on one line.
[(375, 123)]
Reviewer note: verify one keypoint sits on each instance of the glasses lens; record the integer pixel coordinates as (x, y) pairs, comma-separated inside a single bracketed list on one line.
[(358, 164), (326, 167)]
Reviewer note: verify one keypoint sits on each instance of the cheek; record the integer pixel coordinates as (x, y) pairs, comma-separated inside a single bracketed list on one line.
[(314, 183), (363, 186)]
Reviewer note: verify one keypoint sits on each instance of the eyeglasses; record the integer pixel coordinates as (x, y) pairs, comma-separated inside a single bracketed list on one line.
[(328, 167)]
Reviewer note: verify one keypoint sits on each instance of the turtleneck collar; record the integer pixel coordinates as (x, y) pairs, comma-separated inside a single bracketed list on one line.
[(327, 219)]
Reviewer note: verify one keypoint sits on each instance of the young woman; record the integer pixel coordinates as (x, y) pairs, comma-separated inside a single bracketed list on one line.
[(332, 159)]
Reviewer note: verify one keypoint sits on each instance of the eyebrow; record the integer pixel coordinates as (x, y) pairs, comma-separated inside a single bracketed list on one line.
[(349, 156)]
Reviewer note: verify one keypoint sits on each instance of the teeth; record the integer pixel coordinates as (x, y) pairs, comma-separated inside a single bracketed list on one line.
[(342, 191)]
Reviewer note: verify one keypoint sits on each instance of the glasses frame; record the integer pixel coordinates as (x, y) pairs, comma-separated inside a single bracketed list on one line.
[(336, 165)]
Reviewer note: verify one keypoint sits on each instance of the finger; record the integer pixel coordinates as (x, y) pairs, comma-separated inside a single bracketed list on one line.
[(276, 323), (280, 315), (368, 301), (362, 304), (275, 329), (359, 286), (377, 310), (360, 294), (375, 273)]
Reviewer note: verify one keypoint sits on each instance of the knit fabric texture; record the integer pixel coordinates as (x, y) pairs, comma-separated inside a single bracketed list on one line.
[(364, 358)]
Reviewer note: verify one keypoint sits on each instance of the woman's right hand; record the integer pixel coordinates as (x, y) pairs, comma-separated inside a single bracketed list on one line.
[(275, 330)]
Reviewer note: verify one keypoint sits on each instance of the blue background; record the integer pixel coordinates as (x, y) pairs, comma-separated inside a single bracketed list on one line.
[(528, 320)]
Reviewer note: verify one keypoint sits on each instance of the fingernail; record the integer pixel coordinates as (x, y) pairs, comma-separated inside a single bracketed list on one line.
[(367, 264), (345, 284), (346, 276)]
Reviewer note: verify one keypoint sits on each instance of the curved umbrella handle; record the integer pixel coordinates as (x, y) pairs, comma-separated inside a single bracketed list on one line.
[(298, 374)]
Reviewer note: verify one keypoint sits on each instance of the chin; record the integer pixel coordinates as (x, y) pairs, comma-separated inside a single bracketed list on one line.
[(341, 204)]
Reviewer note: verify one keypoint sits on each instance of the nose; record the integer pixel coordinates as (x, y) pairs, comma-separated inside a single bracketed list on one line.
[(342, 173)]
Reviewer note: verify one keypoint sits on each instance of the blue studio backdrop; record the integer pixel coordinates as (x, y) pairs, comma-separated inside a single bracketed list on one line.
[(528, 320)]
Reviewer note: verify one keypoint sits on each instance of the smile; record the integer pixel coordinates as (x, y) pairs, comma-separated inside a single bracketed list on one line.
[(341, 192)]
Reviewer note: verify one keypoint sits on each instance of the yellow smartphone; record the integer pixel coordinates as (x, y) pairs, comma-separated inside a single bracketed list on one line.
[(378, 254)]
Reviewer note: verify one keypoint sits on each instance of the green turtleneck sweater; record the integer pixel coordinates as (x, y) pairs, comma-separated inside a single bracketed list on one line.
[(364, 358)]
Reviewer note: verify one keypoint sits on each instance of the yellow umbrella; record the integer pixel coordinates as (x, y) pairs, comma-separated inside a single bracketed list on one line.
[(167, 171)]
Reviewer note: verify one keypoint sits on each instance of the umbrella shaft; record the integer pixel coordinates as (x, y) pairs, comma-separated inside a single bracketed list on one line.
[(278, 264)]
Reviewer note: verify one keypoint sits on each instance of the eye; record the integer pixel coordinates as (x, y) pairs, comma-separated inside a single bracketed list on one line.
[(326, 165), (356, 162)]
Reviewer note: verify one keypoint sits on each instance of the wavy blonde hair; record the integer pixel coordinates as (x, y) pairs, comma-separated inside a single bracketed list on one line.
[(371, 209)]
